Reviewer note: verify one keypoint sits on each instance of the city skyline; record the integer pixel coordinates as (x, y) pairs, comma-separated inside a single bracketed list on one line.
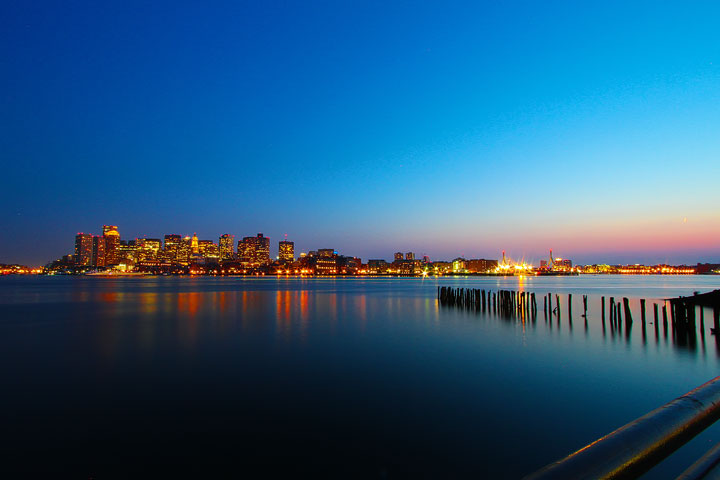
[(371, 127), (225, 247)]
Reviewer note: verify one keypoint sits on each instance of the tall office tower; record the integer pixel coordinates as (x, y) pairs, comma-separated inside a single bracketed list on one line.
[(195, 248), (147, 249), (184, 251), (398, 256), (207, 248), (227, 247), (409, 256), (83, 249), (172, 247), (286, 251), (326, 252), (254, 251), (98, 251), (112, 240), (127, 253)]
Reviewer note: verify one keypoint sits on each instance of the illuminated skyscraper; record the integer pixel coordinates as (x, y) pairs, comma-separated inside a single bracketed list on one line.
[(147, 249), (194, 247), (184, 251), (208, 248), (98, 251), (83, 249), (127, 253), (112, 240), (398, 256), (227, 246), (409, 256), (254, 251), (286, 251), (172, 247)]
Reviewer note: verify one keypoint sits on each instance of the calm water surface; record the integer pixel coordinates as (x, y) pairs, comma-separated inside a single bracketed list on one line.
[(117, 378)]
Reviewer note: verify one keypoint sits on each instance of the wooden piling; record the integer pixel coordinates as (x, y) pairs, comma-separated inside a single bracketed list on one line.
[(557, 302), (655, 314), (628, 313), (642, 310)]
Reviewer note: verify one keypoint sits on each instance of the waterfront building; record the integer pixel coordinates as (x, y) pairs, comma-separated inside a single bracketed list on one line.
[(347, 265), (377, 266), (208, 249), (458, 265), (325, 266), (184, 251), (398, 256), (194, 246), (98, 251), (83, 249), (172, 247), (112, 240), (409, 256), (408, 267), (326, 252), (126, 253), (147, 249), (227, 247), (480, 265), (286, 251), (254, 251), (442, 267)]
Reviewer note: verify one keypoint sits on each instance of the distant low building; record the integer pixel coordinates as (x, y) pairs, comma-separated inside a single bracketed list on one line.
[(377, 266), (480, 265), (326, 266)]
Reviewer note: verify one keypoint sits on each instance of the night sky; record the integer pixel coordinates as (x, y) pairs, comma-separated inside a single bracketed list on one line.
[(368, 127)]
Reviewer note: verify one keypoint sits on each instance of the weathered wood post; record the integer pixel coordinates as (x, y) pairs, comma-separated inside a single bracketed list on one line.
[(550, 308), (672, 313), (585, 306), (557, 302), (655, 313), (665, 321), (603, 308), (642, 310), (628, 314), (570, 306)]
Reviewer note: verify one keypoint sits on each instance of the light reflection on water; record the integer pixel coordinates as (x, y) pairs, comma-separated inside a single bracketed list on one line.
[(373, 371)]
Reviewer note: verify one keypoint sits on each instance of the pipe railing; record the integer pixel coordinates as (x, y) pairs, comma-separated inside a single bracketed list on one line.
[(635, 448)]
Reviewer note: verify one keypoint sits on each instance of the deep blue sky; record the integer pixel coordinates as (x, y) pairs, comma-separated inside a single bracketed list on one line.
[(459, 128)]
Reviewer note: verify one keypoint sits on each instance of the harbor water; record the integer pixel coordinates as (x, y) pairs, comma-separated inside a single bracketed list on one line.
[(361, 377)]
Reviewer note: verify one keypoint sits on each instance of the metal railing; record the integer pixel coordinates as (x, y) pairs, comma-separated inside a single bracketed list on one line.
[(635, 448)]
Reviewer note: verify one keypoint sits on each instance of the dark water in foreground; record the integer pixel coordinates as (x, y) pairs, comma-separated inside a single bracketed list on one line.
[(162, 377)]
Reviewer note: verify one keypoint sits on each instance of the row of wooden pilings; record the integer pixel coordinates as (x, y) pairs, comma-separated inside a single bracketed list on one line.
[(511, 302), (503, 302)]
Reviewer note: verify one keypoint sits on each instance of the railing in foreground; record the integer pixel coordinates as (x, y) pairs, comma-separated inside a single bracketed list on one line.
[(635, 448)]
